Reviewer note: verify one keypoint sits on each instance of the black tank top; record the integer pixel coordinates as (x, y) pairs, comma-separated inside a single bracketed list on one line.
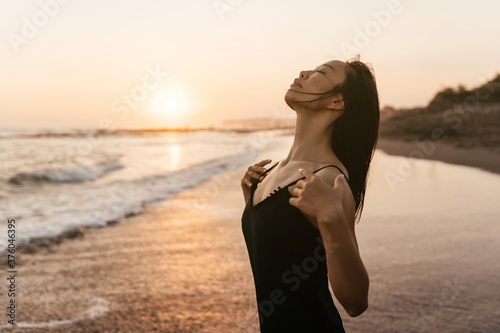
[(288, 262)]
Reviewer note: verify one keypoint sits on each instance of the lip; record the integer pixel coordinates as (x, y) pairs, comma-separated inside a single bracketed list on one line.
[(296, 82)]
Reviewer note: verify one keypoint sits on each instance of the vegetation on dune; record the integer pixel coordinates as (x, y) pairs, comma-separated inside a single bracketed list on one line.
[(467, 118), (449, 97)]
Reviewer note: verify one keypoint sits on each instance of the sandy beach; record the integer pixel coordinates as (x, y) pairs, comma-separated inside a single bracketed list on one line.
[(182, 266)]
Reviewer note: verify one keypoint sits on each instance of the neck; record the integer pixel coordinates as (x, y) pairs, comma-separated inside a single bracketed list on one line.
[(312, 141)]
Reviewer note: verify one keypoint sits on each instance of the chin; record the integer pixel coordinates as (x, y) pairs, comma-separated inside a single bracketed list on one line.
[(291, 95), (289, 99)]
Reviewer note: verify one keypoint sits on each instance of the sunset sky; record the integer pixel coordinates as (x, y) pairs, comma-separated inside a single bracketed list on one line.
[(136, 64)]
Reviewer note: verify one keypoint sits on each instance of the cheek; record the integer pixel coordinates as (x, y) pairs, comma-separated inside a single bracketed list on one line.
[(326, 87), (322, 84)]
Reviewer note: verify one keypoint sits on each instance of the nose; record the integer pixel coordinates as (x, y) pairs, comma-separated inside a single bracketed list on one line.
[(302, 74)]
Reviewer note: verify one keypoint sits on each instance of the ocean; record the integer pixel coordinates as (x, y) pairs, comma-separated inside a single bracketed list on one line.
[(51, 182)]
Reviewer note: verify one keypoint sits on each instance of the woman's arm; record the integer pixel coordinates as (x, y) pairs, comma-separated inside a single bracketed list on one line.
[(347, 274), (332, 210)]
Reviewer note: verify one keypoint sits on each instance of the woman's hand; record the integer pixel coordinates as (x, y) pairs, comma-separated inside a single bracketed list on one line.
[(251, 175), (319, 201)]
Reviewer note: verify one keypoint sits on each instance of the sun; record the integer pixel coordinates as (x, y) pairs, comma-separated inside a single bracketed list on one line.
[(170, 105), (170, 101)]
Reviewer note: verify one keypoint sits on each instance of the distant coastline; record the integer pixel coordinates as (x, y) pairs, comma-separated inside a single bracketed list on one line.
[(238, 126)]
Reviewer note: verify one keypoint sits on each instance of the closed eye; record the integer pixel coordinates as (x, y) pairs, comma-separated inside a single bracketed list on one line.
[(320, 72)]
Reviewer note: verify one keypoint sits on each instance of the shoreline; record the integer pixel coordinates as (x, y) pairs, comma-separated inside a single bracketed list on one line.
[(477, 157)]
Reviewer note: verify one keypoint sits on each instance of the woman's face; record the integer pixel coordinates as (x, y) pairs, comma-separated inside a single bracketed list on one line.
[(319, 80)]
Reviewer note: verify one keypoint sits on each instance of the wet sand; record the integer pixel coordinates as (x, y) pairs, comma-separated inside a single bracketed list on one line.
[(182, 266), (479, 157)]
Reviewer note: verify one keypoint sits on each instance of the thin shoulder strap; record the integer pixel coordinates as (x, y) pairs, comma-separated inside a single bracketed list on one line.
[(293, 183), (254, 185), (262, 174), (334, 167)]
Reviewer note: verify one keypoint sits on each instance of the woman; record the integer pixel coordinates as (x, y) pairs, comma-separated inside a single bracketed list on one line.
[(300, 237)]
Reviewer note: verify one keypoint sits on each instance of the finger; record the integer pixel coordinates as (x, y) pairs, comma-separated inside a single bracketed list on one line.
[(257, 169), (296, 192), (300, 183), (246, 181), (253, 174), (306, 173), (294, 202), (263, 162)]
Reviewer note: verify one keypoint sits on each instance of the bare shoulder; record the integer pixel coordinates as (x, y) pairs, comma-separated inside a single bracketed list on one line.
[(328, 175)]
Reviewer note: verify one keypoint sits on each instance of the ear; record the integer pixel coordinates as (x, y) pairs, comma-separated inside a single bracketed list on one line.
[(337, 102)]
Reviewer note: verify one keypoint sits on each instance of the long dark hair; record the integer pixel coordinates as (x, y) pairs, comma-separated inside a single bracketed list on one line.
[(355, 132)]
